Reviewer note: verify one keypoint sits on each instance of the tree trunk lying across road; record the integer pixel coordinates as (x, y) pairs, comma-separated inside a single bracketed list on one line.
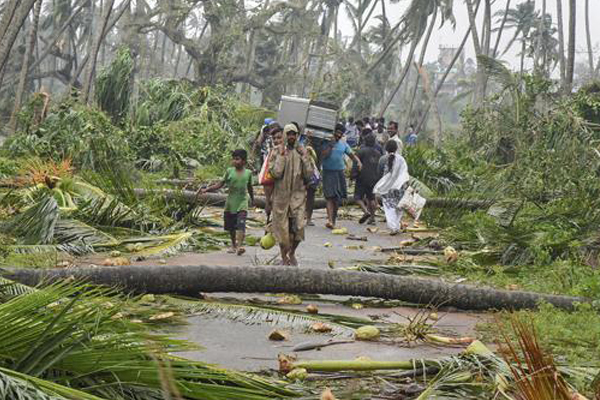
[(192, 280), (217, 199)]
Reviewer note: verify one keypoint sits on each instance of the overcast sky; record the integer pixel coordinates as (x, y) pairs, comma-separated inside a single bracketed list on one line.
[(446, 36)]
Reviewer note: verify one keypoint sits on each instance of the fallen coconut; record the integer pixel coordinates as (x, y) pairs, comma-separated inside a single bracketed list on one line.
[(298, 374), (450, 255), (327, 395), (267, 241), (278, 335), (321, 327), (367, 332), (291, 299), (312, 309), (340, 231)]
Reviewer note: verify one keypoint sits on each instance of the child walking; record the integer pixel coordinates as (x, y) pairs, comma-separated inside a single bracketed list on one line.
[(238, 180)]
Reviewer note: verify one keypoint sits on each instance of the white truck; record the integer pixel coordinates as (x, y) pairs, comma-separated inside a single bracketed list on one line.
[(317, 118)]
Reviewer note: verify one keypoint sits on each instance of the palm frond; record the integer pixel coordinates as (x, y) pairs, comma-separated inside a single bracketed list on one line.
[(422, 188), (342, 325), (10, 289), (498, 71), (17, 387), (68, 248), (37, 224), (158, 245), (396, 269), (106, 211), (535, 374), (68, 334), (73, 232)]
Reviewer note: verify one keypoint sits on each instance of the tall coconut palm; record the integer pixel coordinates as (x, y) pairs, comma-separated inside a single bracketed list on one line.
[(25, 65), (501, 28), (95, 49), (543, 46), (441, 82), (571, 50), (589, 39), (561, 43), (480, 77), (522, 19), (414, 23), (10, 25), (419, 67)]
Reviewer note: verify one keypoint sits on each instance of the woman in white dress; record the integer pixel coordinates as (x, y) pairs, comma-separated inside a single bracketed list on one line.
[(392, 184)]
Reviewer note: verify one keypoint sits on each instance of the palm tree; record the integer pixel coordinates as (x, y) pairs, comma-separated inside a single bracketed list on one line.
[(561, 43), (440, 84), (543, 46), (25, 66), (481, 79), (95, 49), (12, 21), (414, 23), (522, 19), (571, 50), (589, 39), (504, 16), (419, 67)]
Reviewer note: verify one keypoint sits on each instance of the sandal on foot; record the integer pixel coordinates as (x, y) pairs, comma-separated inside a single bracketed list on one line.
[(364, 218), (241, 251), (329, 225)]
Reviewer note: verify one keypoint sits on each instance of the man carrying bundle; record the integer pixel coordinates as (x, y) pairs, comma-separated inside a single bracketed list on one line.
[(291, 170)]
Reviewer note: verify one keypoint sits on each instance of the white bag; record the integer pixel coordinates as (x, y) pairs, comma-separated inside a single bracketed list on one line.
[(412, 202)]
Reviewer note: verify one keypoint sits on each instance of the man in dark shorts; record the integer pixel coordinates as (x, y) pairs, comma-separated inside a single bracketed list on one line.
[(334, 180), (367, 177)]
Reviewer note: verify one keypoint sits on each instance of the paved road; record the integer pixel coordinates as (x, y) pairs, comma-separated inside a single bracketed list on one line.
[(243, 346), (312, 253)]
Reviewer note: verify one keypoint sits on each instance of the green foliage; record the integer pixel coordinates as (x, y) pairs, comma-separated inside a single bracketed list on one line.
[(559, 277), (186, 125), (72, 131), (573, 337), (162, 101), (70, 340), (8, 167), (536, 160), (114, 85), (588, 102)]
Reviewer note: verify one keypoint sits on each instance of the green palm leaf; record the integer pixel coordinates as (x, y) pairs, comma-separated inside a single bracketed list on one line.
[(76, 232), (17, 386), (37, 224), (160, 245), (69, 335), (342, 325)]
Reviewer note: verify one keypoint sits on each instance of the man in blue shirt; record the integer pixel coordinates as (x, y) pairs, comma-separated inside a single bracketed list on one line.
[(335, 189)]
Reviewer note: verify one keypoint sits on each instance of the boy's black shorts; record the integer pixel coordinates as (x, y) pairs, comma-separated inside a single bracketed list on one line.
[(235, 221), (361, 191)]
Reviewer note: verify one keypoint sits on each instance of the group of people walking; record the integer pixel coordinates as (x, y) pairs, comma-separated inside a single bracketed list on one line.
[(293, 164)]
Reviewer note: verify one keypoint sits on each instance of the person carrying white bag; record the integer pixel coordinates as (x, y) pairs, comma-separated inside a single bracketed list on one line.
[(393, 188)]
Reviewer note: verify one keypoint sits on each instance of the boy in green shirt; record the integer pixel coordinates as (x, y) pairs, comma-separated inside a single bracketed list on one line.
[(238, 180)]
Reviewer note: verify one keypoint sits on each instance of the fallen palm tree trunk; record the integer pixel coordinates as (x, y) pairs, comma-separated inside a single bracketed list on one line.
[(192, 279), (217, 199)]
